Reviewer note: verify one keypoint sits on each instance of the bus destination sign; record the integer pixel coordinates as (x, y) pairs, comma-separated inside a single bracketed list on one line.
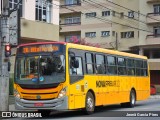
[(39, 48)]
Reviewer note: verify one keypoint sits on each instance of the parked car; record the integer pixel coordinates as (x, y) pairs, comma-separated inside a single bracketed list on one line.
[(153, 90)]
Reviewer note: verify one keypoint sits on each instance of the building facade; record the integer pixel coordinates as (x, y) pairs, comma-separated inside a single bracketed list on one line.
[(149, 43), (126, 25), (39, 21)]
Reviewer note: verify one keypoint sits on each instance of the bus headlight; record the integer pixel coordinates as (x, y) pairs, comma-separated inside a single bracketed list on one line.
[(62, 93), (16, 93)]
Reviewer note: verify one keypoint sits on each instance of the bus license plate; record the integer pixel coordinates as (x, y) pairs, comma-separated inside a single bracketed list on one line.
[(38, 104)]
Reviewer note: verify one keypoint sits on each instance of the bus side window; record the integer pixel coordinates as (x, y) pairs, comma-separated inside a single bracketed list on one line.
[(130, 67), (89, 63), (121, 66), (145, 68), (111, 65), (78, 69), (100, 64)]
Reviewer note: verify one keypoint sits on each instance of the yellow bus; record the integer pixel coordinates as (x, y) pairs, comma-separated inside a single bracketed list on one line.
[(66, 76)]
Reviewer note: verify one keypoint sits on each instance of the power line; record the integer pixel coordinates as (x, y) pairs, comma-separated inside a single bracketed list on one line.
[(104, 20), (127, 20), (111, 10), (132, 10)]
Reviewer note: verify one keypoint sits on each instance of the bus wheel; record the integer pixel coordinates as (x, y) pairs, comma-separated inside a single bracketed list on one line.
[(44, 113), (132, 99), (89, 103)]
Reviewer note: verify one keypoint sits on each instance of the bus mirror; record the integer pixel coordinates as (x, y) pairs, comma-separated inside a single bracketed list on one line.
[(76, 64)]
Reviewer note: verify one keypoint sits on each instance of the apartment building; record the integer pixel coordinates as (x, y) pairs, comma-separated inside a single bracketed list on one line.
[(129, 25), (95, 21), (39, 21), (149, 43)]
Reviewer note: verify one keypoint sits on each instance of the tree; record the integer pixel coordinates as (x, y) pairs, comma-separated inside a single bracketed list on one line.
[(82, 41)]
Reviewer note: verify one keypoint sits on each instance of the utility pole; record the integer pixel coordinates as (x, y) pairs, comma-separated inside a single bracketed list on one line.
[(4, 73), (116, 41)]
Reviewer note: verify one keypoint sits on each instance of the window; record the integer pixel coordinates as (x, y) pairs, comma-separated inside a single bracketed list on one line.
[(112, 65), (72, 38), (89, 63), (43, 10), (121, 66), (145, 69), (121, 15), (131, 14), (13, 4), (105, 13), (79, 70), (113, 13), (72, 20), (156, 31), (139, 66), (72, 2), (130, 67), (50, 68), (105, 33), (100, 66), (156, 9), (88, 15), (129, 34), (113, 33), (90, 34)]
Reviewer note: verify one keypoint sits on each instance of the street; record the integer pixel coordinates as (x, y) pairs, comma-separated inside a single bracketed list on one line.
[(148, 109), (113, 110)]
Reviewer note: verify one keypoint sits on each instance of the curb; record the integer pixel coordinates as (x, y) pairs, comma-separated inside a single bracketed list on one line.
[(154, 97)]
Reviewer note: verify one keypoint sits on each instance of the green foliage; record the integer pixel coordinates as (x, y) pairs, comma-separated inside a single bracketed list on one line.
[(11, 79)]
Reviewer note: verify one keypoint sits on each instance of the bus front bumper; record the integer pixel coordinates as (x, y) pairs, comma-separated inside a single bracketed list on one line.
[(54, 104)]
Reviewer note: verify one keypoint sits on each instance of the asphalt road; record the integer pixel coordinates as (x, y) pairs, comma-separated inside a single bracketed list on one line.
[(113, 112), (146, 110)]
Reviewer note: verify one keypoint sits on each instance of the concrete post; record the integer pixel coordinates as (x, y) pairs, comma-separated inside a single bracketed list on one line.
[(4, 74)]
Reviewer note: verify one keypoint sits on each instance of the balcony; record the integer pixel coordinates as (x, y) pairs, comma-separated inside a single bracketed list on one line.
[(153, 18), (153, 1), (71, 27), (153, 39), (37, 30), (70, 8)]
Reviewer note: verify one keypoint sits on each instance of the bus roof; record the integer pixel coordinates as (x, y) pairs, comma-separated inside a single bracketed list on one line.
[(89, 48), (113, 52)]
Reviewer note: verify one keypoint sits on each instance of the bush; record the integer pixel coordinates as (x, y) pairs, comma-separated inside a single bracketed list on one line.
[(11, 79)]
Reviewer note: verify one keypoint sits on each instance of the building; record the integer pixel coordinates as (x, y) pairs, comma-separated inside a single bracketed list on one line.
[(95, 20), (131, 26), (149, 43), (39, 21)]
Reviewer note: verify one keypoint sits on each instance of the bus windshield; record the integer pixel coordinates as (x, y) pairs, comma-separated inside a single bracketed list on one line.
[(40, 69)]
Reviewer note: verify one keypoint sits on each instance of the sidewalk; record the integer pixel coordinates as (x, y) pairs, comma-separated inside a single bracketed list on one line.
[(11, 103), (12, 107), (155, 96)]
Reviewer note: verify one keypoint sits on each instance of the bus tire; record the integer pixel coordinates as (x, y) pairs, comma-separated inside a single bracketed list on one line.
[(44, 113), (132, 100), (89, 104)]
